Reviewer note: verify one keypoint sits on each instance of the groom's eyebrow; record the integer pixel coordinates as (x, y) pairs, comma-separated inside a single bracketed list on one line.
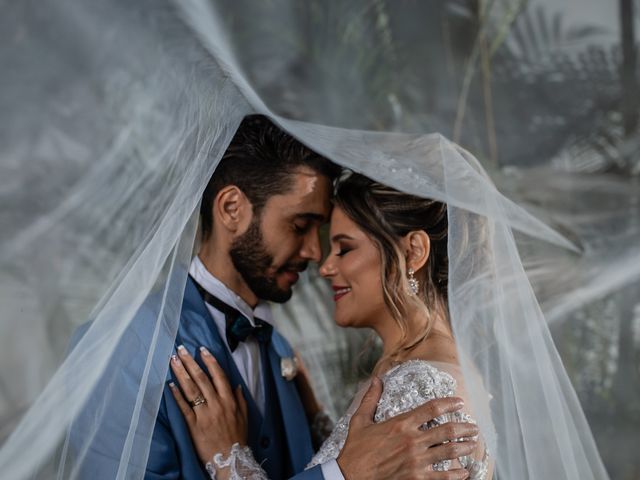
[(313, 217)]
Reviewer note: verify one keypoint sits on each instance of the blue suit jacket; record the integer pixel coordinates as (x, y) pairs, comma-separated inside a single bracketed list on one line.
[(172, 455)]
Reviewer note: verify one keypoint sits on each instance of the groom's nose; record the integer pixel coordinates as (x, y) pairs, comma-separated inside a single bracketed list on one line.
[(311, 249)]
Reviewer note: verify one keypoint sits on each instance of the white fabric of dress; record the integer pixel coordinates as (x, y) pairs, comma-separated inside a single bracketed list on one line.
[(247, 354), (406, 386)]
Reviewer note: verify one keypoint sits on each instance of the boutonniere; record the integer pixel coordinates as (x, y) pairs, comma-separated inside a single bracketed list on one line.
[(289, 367)]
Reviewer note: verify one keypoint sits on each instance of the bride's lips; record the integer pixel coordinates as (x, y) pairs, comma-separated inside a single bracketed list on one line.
[(340, 292)]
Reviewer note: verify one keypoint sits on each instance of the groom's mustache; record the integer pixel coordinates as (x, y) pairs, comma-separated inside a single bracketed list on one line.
[(294, 267)]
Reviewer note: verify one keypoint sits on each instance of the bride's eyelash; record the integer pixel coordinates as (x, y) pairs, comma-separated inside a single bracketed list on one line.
[(343, 251)]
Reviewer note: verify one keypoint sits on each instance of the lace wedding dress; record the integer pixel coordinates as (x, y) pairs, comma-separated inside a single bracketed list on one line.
[(406, 386)]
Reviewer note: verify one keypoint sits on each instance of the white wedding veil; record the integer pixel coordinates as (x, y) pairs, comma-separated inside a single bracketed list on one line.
[(114, 115)]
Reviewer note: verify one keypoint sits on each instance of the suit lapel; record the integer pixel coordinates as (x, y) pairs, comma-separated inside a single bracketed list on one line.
[(295, 422), (194, 305), (293, 414)]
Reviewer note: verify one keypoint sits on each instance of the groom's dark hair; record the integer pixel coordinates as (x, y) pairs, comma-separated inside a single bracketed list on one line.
[(260, 161)]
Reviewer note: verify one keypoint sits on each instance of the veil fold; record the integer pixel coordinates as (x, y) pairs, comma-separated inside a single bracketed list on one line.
[(114, 118)]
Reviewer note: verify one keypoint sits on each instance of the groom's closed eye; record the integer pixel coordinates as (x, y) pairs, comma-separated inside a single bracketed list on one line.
[(302, 223), (302, 228)]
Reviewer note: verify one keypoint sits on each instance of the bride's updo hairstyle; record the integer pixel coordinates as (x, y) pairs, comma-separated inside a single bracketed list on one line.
[(386, 215)]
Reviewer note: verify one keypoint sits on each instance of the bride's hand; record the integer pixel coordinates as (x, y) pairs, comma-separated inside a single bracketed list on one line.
[(216, 416)]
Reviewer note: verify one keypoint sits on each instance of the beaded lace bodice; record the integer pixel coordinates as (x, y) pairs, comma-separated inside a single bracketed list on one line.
[(406, 386)]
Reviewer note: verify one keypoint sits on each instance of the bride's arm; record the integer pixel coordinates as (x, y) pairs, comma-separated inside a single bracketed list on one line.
[(483, 461), (216, 417)]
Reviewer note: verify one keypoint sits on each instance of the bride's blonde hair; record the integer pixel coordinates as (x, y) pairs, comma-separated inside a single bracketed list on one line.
[(386, 215)]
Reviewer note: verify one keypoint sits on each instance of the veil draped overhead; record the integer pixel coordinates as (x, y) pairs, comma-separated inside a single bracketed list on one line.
[(114, 116)]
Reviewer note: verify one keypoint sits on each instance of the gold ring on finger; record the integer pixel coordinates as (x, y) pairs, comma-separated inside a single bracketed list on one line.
[(199, 400)]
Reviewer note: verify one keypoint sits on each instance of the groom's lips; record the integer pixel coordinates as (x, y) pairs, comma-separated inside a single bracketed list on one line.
[(340, 292), (291, 275), (292, 271)]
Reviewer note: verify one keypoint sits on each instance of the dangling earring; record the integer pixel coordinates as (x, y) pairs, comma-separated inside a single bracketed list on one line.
[(413, 283)]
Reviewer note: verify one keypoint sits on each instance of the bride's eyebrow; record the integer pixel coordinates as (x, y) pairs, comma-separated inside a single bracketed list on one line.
[(341, 236)]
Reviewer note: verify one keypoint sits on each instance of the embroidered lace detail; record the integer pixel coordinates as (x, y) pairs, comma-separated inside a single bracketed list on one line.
[(406, 387), (241, 463), (332, 446)]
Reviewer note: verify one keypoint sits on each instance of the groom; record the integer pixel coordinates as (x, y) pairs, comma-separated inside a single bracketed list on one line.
[(260, 216)]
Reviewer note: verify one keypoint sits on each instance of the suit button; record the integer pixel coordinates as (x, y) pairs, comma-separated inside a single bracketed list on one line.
[(265, 442)]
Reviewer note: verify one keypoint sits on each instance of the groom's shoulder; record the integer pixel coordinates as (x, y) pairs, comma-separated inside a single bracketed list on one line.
[(157, 304), (140, 322), (145, 318)]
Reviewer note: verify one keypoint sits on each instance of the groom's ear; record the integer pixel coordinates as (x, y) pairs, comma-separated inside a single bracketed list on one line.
[(417, 247), (232, 210)]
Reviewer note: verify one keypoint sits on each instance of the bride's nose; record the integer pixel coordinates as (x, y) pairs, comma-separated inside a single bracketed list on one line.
[(327, 269)]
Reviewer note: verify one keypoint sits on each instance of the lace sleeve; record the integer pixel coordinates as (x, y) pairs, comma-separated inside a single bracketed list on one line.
[(242, 465)]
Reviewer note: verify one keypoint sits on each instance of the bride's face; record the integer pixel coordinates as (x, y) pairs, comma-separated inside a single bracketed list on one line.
[(354, 268)]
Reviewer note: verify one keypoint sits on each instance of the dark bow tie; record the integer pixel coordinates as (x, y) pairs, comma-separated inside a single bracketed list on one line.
[(238, 327)]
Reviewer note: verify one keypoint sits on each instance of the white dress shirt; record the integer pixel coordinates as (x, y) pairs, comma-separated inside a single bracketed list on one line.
[(247, 354)]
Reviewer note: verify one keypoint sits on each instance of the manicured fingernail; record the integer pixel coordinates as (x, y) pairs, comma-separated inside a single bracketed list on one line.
[(175, 359), (172, 385), (205, 351), (182, 350)]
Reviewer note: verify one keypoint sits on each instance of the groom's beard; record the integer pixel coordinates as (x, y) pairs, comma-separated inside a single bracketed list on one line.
[(252, 260)]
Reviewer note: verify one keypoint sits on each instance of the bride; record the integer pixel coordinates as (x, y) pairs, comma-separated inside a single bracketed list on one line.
[(388, 267)]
